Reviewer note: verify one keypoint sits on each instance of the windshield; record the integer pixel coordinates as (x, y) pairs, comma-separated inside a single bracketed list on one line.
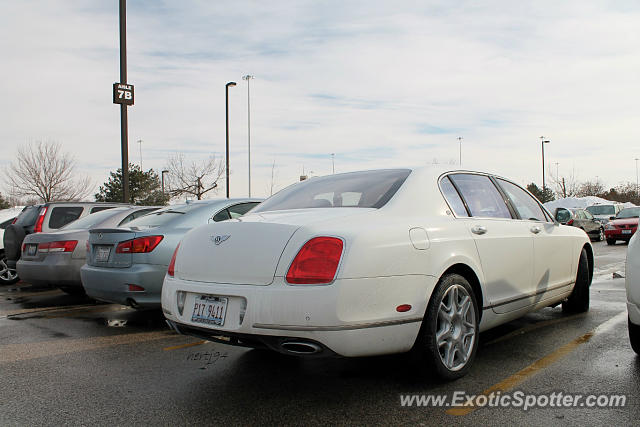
[(602, 210), (369, 189), (628, 213), (161, 217), (92, 220)]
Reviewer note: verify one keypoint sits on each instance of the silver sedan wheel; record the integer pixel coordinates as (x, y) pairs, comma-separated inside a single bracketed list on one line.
[(456, 327), (6, 274)]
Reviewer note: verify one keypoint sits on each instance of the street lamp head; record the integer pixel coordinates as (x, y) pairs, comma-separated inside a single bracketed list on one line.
[(546, 141), (231, 84), (248, 77), (165, 171)]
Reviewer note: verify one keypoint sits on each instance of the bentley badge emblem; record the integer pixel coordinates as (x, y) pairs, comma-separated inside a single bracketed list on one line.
[(99, 235), (219, 239)]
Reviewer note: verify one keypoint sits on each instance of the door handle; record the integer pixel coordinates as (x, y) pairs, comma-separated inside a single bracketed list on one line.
[(535, 229), (478, 229)]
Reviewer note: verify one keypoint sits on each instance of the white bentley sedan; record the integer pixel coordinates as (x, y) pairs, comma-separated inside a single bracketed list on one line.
[(632, 284), (378, 262)]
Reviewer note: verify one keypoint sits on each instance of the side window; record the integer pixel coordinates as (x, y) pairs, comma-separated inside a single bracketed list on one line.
[(221, 216), (63, 215), (580, 214), (482, 197), (241, 209), (100, 208), (526, 206), (587, 215), (453, 198)]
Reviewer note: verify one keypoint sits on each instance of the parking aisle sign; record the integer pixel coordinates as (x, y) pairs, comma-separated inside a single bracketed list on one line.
[(122, 93)]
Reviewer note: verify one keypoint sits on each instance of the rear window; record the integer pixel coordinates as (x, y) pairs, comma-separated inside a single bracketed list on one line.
[(28, 216), (91, 220), (629, 213), (602, 210), (162, 216), (369, 189)]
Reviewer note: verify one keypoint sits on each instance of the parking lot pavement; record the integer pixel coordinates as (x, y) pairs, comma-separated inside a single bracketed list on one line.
[(65, 359)]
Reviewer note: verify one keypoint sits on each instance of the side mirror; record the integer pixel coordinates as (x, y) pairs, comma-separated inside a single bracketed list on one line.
[(611, 218)]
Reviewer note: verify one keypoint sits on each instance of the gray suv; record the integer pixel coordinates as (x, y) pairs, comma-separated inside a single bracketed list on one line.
[(45, 218)]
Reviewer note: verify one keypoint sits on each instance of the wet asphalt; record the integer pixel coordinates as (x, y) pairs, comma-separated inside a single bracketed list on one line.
[(65, 360)]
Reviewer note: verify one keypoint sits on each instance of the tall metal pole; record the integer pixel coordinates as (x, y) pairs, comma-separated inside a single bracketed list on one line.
[(226, 92), (460, 141), (543, 141), (124, 133), (140, 144), (333, 164), (637, 193), (247, 78), (163, 172)]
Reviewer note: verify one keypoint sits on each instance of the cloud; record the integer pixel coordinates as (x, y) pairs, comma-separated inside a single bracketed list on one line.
[(379, 84)]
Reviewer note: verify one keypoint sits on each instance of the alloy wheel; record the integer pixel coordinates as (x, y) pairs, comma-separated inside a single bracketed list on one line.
[(456, 327), (6, 274)]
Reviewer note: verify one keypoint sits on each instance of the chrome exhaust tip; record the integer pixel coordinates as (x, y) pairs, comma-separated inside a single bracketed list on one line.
[(300, 347)]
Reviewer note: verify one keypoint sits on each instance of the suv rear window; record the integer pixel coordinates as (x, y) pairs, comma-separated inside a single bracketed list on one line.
[(369, 189), (63, 215), (28, 216)]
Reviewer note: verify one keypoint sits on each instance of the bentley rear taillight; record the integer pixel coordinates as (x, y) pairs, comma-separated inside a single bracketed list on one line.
[(172, 265), (317, 262)]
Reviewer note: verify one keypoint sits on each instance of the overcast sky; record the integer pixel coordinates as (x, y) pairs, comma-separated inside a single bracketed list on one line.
[(378, 83)]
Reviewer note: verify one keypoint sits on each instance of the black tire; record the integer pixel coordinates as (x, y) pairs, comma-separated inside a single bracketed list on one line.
[(458, 333), (634, 336), (8, 276), (611, 242), (578, 301), (13, 237)]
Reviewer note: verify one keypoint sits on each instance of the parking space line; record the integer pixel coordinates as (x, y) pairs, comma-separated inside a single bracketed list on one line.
[(10, 313), (98, 309), (178, 347), (526, 373), (28, 351)]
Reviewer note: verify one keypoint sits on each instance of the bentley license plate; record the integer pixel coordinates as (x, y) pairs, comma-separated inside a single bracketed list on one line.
[(209, 310)]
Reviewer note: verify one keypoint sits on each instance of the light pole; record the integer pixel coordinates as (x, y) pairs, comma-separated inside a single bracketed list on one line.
[(140, 144), (124, 122), (333, 164), (247, 78), (557, 171), (460, 141), (637, 194), (163, 172), (226, 90), (543, 141)]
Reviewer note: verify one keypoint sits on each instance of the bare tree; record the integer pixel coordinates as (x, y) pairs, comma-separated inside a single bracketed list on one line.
[(590, 188), (43, 171), (192, 178), (565, 186)]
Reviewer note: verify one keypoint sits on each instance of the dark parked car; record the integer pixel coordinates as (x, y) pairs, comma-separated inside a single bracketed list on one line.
[(582, 219), (44, 218), (55, 258), (623, 226)]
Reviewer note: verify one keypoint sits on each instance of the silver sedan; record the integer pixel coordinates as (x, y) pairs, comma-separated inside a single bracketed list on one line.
[(55, 258)]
